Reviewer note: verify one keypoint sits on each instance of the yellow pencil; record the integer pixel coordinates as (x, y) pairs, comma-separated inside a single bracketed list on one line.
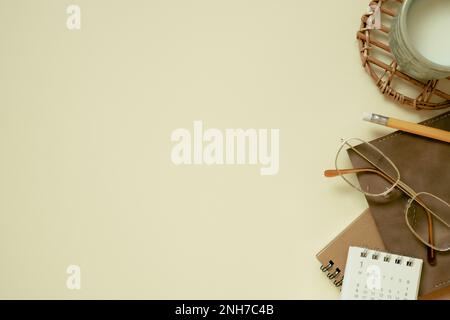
[(410, 127)]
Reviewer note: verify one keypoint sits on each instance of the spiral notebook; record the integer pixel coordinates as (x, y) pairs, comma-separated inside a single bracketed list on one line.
[(375, 275), (361, 232)]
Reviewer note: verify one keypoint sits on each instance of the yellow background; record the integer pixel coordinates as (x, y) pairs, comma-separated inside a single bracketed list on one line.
[(85, 124)]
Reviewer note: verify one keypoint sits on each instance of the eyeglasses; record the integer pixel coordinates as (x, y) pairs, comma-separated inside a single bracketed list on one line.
[(426, 215)]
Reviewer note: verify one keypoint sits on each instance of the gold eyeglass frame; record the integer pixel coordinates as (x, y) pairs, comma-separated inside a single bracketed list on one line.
[(396, 183)]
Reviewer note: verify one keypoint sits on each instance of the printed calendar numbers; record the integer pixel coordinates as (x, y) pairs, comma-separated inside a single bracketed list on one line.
[(381, 279)]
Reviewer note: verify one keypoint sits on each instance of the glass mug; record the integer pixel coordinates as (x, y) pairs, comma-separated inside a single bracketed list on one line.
[(404, 45)]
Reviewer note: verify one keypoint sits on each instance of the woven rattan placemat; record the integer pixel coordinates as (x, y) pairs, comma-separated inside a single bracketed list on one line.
[(380, 64)]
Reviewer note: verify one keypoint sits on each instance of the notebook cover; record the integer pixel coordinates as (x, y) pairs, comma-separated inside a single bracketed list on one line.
[(442, 294), (424, 165), (362, 232)]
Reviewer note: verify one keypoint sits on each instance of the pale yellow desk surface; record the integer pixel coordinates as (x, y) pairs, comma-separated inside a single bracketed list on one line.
[(85, 122)]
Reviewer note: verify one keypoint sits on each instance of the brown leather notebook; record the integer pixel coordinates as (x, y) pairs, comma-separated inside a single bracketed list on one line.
[(424, 165), (362, 232)]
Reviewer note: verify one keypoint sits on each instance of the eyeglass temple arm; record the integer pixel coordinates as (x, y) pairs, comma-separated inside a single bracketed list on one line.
[(335, 173)]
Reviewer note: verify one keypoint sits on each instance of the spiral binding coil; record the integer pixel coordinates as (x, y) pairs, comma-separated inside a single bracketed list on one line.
[(333, 274)]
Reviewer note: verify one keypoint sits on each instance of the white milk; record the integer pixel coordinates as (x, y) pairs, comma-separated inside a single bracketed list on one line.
[(428, 24)]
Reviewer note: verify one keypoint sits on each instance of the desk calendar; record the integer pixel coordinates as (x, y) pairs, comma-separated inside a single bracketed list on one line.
[(374, 275)]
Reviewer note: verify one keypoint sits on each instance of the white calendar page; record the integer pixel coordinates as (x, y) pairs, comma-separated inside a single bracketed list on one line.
[(374, 275)]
